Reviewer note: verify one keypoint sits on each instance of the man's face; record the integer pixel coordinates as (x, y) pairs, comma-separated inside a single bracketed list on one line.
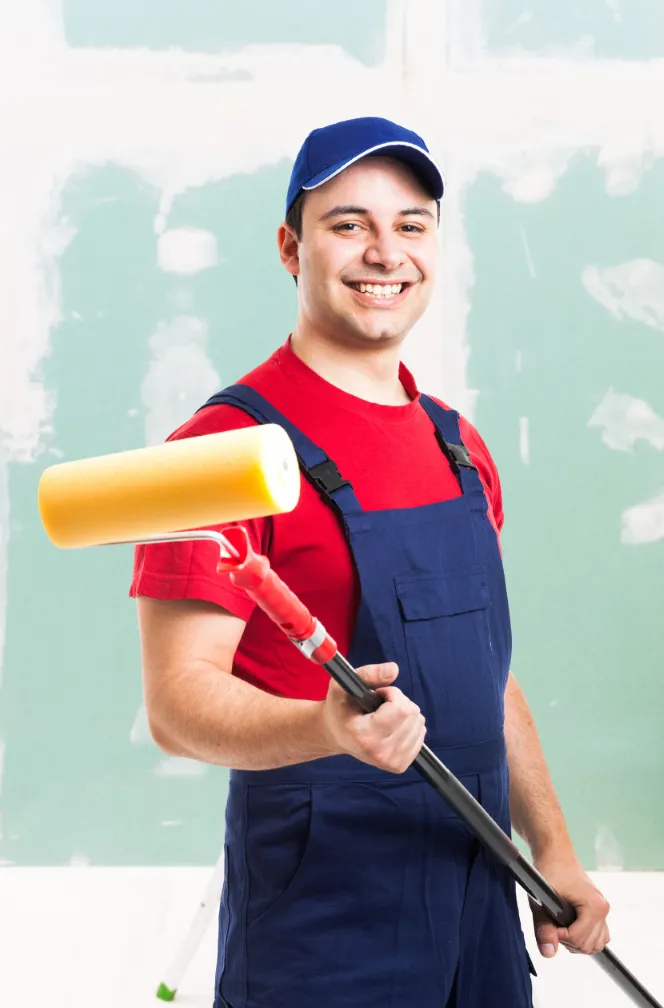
[(372, 225)]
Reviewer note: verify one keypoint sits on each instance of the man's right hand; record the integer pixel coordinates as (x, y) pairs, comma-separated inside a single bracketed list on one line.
[(390, 737)]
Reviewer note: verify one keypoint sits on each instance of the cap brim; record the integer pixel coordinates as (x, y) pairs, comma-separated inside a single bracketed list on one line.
[(421, 161)]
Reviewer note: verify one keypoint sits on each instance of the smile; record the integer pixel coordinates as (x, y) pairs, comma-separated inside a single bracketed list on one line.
[(386, 295)]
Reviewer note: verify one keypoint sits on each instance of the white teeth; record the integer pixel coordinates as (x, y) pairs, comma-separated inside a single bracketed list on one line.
[(378, 290)]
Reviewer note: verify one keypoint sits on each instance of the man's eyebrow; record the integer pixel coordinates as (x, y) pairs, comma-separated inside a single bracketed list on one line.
[(356, 211), (344, 211), (421, 210)]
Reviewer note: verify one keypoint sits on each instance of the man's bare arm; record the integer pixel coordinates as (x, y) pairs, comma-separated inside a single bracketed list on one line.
[(538, 818), (197, 708), (534, 806)]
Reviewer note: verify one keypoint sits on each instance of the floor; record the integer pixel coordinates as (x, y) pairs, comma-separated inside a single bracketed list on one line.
[(86, 937)]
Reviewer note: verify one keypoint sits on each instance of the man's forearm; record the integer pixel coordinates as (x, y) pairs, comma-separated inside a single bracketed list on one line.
[(535, 809), (210, 715)]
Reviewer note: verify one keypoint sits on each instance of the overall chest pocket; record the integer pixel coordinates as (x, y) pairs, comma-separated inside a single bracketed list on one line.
[(456, 680)]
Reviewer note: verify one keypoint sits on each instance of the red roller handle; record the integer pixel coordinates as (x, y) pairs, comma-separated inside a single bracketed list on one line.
[(252, 573)]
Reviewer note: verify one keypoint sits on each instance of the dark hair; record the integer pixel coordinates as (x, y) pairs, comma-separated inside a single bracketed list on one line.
[(294, 217)]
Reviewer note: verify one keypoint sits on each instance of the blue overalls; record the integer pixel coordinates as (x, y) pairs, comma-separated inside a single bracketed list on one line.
[(353, 888)]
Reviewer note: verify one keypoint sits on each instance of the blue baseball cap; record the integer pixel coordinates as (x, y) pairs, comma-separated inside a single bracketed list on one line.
[(330, 149)]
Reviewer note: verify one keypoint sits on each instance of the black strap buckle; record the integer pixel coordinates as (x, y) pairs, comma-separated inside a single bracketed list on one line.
[(459, 455), (326, 476)]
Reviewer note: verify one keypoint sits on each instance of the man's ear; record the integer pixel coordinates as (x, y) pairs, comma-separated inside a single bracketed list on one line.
[(289, 249)]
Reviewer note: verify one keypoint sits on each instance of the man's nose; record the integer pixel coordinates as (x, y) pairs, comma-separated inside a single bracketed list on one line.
[(385, 250)]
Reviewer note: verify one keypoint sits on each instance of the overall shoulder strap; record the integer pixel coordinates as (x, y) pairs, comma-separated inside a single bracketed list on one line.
[(319, 469), (446, 422)]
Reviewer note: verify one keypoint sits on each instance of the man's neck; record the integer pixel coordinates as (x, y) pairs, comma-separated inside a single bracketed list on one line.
[(371, 374)]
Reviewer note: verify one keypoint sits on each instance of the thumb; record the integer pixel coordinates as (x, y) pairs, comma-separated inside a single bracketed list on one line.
[(546, 932), (379, 675)]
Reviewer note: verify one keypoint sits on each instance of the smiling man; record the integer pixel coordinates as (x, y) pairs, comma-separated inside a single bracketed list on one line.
[(349, 882)]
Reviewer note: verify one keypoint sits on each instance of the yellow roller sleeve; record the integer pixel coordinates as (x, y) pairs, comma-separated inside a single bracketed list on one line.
[(186, 484)]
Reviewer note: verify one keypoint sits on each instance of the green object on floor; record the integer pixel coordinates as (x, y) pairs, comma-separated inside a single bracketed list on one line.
[(165, 993)]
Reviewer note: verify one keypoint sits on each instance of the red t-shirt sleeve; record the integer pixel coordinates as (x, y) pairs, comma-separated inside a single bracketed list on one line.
[(188, 570)]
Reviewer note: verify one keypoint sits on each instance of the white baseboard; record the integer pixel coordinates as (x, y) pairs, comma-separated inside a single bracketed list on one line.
[(102, 938)]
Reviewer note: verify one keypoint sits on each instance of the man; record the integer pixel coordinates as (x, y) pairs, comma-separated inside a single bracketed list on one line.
[(348, 880)]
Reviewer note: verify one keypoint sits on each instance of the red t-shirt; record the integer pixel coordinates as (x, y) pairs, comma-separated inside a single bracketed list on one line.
[(392, 459)]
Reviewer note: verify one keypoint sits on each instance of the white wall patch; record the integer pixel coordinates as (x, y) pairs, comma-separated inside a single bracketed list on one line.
[(614, 7), (634, 289), (608, 853), (79, 860), (187, 250), (140, 730), (180, 376), (643, 523), (625, 420), (529, 258), (524, 439), (180, 766)]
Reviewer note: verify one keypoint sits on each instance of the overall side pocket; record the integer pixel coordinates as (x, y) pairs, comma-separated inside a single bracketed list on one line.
[(278, 831)]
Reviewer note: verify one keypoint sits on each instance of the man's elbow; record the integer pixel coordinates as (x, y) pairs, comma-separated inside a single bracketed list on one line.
[(163, 736)]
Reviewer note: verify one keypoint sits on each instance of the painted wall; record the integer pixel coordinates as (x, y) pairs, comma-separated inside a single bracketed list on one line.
[(145, 156)]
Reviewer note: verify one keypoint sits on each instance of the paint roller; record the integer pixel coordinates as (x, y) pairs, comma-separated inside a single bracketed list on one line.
[(168, 492), (185, 484)]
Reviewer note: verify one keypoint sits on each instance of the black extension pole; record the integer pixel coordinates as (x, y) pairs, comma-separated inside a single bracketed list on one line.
[(489, 833)]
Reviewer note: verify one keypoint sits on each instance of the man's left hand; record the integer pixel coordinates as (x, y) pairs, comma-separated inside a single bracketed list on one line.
[(589, 933)]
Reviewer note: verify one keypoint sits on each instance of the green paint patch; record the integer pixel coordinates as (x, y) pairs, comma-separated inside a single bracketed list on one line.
[(74, 784), (587, 610), (248, 298), (608, 29), (212, 26)]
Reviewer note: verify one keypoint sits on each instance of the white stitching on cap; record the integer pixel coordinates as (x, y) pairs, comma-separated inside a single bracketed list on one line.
[(390, 143)]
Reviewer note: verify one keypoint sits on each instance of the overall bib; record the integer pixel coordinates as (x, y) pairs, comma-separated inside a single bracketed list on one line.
[(345, 885)]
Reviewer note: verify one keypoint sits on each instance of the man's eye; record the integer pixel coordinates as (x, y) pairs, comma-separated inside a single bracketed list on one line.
[(412, 228), (345, 227)]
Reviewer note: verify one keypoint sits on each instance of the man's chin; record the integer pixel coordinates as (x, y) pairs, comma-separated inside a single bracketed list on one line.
[(384, 329), (363, 330), (380, 336)]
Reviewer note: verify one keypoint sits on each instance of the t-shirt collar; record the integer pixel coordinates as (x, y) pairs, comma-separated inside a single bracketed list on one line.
[(330, 397)]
